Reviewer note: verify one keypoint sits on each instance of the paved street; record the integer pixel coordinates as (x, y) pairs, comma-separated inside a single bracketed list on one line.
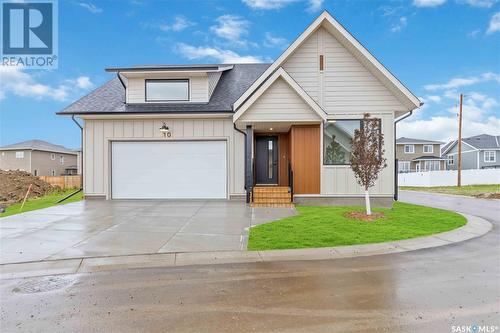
[(422, 291)]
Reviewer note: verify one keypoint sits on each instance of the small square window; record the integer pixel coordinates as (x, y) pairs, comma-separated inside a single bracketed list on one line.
[(489, 156), (428, 149), (61, 159), (53, 172), (52, 156), (409, 149), (19, 154), (450, 160)]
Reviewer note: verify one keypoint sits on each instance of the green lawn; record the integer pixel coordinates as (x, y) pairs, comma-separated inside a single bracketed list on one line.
[(327, 226), (469, 190), (42, 202)]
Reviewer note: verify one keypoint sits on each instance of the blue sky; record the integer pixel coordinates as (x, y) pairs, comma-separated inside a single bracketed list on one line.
[(438, 48)]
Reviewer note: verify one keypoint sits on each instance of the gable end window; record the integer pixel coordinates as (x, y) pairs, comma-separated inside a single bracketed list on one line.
[(489, 156), (167, 90), (409, 149), (450, 160), (428, 149)]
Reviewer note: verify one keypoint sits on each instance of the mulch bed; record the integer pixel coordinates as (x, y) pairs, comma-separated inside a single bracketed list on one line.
[(14, 184), (363, 217)]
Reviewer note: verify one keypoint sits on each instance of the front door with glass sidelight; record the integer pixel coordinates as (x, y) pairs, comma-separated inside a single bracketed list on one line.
[(266, 160)]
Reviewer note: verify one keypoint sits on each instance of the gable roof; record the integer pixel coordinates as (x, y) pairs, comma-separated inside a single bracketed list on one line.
[(281, 73), (110, 97), (403, 140), (479, 142), (39, 145), (355, 47)]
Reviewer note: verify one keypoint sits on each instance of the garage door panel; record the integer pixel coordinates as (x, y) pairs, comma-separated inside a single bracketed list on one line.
[(184, 170)]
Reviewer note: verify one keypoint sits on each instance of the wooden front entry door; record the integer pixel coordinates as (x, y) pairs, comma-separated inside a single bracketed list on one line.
[(266, 160)]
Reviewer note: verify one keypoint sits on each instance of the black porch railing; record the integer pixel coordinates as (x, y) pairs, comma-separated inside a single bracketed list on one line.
[(290, 180)]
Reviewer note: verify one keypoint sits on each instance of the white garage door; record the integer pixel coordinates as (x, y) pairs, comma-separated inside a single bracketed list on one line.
[(169, 170)]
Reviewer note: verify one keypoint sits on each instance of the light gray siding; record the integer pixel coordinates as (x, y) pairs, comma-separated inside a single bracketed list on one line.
[(35, 161), (99, 133), (213, 79), (280, 103), (472, 158), (8, 160)]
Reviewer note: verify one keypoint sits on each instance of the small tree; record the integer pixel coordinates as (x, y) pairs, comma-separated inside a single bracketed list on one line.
[(334, 152), (367, 158)]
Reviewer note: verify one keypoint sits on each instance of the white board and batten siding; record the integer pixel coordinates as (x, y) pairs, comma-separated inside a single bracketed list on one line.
[(198, 88), (345, 89), (100, 133), (279, 103)]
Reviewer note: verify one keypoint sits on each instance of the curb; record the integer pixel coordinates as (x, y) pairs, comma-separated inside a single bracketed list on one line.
[(474, 228)]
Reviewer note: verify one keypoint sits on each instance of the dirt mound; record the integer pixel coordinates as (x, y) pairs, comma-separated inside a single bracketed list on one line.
[(363, 217), (14, 184), (494, 195)]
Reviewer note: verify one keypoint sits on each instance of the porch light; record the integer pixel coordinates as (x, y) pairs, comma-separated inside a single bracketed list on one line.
[(331, 121), (270, 128), (165, 131)]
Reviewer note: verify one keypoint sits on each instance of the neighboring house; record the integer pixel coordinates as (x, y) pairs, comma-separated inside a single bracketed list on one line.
[(219, 131), (416, 155), (478, 152), (39, 158)]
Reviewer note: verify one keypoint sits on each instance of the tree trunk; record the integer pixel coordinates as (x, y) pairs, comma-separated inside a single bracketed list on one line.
[(367, 203)]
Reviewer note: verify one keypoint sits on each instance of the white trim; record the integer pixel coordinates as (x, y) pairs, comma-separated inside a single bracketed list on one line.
[(158, 115), (453, 145), (428, 152), (407, 165), (325, 17), (464, 152), (489, 152), (280, 73), (409, 152)]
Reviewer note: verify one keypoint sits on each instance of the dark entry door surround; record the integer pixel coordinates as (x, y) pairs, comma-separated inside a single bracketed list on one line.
[(266, 160)]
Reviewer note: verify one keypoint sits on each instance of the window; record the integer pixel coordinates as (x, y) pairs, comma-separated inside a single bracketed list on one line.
[(428, 149), (19, 154), (431, 166), (450, 160), (53, 172), (167, 90), (35, 172), (409, 149), (489, 156), (61, 159), (337, 137), (52, 156), (404, 166)]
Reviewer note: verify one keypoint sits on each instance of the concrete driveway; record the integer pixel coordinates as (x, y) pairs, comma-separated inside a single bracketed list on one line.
[(110, 228)]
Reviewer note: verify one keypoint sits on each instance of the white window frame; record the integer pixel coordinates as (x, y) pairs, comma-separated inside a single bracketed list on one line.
[(489, 153), (406, 168), (19, 154), (412, 149), (450, 160), (61, 159), (432, 162), (53, 172), (431, 151), (52, 156)]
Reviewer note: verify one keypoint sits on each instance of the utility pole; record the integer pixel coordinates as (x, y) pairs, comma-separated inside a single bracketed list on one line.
[(459, 180)]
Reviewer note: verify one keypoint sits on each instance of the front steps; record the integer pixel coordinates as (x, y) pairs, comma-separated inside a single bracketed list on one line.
[(271, 196)]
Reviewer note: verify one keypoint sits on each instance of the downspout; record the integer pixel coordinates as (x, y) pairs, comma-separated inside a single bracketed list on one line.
[(81, 154), (246, 187), (395, 159), (121, 80)]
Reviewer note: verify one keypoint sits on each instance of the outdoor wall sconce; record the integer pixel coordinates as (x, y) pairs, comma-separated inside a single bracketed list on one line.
[(165, 131)]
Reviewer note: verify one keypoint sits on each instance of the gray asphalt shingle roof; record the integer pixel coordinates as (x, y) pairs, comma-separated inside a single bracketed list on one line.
[(403, 140), (429, 157), (110, 97), (39, 145), (482, 141)]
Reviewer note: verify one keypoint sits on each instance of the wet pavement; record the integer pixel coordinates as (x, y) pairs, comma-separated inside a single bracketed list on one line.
[(432, 290), (121, 227)]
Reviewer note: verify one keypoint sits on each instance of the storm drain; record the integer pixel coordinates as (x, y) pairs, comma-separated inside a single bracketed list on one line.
[(42, 285)]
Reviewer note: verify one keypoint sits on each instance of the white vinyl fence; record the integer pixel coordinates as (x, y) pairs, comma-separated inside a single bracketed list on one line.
[(449, 178)]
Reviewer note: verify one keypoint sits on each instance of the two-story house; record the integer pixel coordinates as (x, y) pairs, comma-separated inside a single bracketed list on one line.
[(415, 155), (478, 152), (229, 131), (40, 158)]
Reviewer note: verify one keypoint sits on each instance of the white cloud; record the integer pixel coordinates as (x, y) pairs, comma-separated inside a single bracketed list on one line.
[(232, 28), (224, 56), (17, 82), (90, 7), (478, 3), (474, 33), (180, 23), (462, 82), (274, 41), (268, 4), (494, 25), (315, 5), (400, 25), (434, 98), (428, 3)]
